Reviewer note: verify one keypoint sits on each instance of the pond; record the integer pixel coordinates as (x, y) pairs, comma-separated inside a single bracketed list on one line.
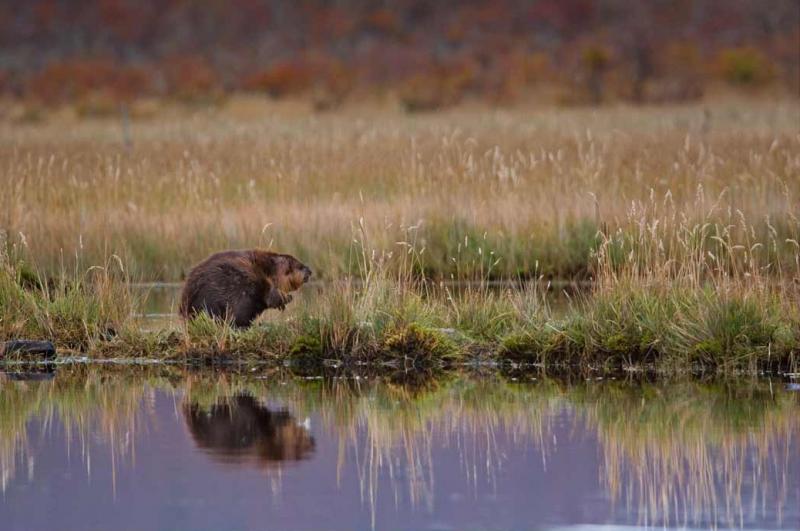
[(161, 447)]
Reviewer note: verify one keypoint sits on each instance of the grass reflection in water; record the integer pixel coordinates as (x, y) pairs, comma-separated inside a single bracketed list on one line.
[(674, 453)]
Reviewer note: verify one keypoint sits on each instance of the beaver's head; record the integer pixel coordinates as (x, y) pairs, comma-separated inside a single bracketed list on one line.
[(290, 273)]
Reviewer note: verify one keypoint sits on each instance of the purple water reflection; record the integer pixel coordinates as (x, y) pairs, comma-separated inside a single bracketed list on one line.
[(176, 466)]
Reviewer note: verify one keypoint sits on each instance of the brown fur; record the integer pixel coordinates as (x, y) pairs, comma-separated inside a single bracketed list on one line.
[(238, 285), (240, 428)]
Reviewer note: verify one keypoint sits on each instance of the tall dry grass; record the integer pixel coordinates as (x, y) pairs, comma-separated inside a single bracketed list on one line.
[(479, 191)]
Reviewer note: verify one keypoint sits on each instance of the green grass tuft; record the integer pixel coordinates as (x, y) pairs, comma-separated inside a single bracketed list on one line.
[(414, 345)]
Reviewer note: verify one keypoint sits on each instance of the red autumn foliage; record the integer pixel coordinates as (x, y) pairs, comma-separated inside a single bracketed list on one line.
[(281, 79), (190, 77), (195, 49), (75, 79)]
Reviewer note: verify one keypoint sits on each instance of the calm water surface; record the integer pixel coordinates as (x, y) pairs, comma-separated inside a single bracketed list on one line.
[(165, 449)]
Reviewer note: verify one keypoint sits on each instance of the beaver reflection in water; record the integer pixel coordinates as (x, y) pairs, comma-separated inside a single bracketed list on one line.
[(240, 428)]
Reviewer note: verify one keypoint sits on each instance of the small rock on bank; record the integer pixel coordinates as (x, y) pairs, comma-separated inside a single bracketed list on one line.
[(23, 348)]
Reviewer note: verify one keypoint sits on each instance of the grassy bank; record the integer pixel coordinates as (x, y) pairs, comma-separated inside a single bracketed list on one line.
[(479, 192), (637, 315)]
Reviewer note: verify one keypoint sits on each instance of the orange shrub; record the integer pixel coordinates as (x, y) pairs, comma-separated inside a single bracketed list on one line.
[(132, 82), (281, 79), (190, 78), (71, 80)]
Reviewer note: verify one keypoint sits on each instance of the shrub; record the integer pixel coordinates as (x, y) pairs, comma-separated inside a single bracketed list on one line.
[(63, 81), (281, 79), (745, 66), (190, 78)]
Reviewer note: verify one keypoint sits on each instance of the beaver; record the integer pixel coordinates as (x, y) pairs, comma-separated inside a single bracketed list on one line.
[(238, 285), (240, 427)]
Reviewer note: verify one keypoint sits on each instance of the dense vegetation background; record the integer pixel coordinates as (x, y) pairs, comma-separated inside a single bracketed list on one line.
[(430, 53)]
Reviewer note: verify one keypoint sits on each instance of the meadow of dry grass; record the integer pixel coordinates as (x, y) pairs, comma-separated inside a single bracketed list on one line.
[(685, 219), (477, 191)]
